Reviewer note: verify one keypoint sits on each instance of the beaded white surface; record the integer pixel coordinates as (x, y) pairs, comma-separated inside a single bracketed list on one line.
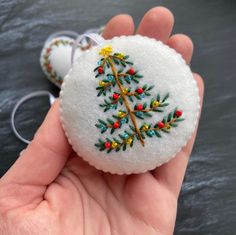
[(160, 66)]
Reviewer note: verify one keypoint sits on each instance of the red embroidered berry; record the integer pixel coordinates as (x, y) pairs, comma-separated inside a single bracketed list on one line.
[(107, 145), (100, 70), (178, 113), (139, 90), (116, 96), (131, 71), (139, 107), (49, 50), (116, 125), (49, 67), (160, 124)]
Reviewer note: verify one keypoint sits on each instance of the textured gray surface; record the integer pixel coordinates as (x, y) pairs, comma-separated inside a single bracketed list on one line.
[(207, 203)]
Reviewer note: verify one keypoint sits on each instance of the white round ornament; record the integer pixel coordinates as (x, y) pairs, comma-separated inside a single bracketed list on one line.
[(55, 59), (129, 104)]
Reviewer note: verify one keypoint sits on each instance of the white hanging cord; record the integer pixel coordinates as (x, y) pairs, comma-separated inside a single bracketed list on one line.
[(95, 30), (20, 102), (63, 33), (73, 34), (95, 38)]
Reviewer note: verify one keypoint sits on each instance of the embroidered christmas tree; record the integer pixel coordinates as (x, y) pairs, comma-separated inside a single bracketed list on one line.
[(116, 74)]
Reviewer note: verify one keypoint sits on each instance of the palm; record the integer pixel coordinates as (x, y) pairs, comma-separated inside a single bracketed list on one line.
[(62, 194), (84, 199)]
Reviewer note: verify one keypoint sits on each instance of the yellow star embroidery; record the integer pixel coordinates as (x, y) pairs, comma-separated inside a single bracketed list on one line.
[(106, 51)]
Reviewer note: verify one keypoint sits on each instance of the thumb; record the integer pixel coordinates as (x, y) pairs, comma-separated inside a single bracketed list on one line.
[(45, 156)]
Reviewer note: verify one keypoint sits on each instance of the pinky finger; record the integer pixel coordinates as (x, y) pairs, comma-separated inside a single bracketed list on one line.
[(183, 45)]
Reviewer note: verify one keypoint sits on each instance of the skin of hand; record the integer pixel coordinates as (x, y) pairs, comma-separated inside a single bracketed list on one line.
[(51, 191)]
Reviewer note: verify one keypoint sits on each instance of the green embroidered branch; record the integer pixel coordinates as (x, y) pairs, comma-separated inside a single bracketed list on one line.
[(104, 86), (121, 118), (120, 59), (139, 93), (147, 130), (156, 105), (113, 103), (129, 76)]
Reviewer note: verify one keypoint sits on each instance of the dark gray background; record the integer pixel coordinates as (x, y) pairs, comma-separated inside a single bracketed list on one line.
[(207, 203)]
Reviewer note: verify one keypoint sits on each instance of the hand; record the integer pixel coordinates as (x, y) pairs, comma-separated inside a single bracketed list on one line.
[(49, 190)]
